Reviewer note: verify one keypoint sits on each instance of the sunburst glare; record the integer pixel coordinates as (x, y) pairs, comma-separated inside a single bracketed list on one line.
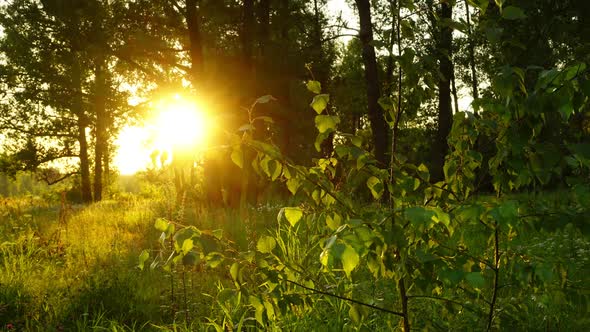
[(179, 126)]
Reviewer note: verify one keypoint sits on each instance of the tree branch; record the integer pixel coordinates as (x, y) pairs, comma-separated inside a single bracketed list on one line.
[(317, 291)]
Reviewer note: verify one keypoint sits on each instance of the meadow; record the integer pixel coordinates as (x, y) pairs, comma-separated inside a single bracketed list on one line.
[(75, 267), (67, 267)]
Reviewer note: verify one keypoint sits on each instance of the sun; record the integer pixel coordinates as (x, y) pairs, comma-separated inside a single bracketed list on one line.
[(178, 126)]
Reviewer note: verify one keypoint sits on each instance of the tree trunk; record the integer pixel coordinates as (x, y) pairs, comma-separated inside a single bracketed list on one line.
[(100, 129), (247, 39), (454, 91), (474, 84), (78, 110), (375, 112), (445, 116), (321, 70)]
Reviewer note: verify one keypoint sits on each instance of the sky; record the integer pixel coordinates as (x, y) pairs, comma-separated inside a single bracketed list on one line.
[(335, 7)]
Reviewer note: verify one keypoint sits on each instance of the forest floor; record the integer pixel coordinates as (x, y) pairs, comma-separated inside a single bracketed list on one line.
[(75, 268)]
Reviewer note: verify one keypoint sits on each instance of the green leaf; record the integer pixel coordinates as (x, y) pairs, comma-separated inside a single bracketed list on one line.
[(187, 245), (192, 258), (143, 257), (320, 102), (513, 13), (233, 271), (293, 185), (237, 156), (326, 123), (356, 141), (266, 244), (376, 187), (267, 119), (319, 139), (182, 235), (270, 312), (275, 168), (566, 110), (259, 307), (265, 99), (419, 216), (314, 86), (475, 279), (170, 229), (161, 224), (424, 173), (350, 260), (217, 233), (470, 213), (293, 215), (264, 165), (361, 161), (214, 259), (354, 314), (226, 295), (334, 222), (442, 217)]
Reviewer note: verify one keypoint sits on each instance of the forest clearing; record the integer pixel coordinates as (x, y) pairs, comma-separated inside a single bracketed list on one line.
[(288, 165)]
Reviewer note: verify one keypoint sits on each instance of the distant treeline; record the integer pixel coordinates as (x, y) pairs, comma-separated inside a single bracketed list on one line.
[(24, 183)]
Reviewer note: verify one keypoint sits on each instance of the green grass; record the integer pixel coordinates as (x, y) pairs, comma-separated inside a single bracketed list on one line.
[(75, 269)]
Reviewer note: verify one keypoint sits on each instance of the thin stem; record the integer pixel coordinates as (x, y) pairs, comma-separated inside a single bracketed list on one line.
[(404, 298), (496, 277), (186, 316), (317, 291), (462, 305)]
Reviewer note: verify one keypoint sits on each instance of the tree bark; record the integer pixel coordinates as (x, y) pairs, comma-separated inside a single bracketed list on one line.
[(100, 129), (375, 112), (321, 70), (78, 110), (471, 46), (454, 91), (445, 115)]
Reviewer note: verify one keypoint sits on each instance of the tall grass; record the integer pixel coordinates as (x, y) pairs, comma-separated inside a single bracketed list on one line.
[(66, 267)]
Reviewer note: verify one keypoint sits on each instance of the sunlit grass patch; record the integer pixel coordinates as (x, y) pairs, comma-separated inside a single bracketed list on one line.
[(60, 272)]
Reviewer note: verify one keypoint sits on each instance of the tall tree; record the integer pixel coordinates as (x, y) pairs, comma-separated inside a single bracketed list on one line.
[(43, 48), (375, 112), (445, 113)]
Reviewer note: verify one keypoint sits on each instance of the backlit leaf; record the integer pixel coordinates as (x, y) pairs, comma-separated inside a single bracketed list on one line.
[(266, 244), (293, 215), (376, 187), (143, 257), (314, 86), (264, 99), (161, 224), (238, 157), (326, 123), (354, 314), (350, 260), (293, 184), (320, 102), (187, 245)]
